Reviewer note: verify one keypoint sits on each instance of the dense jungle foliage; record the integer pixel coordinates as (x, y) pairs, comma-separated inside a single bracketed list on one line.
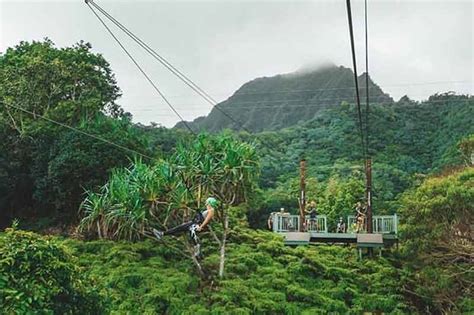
[(103, 196), (408, 140)]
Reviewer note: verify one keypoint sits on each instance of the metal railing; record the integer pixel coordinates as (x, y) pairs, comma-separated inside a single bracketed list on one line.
[(286, 223), (384, 224), (318, 225), (291, 223)]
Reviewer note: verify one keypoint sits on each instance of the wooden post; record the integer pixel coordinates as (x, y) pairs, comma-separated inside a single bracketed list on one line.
[(302, 198), (368, 194)]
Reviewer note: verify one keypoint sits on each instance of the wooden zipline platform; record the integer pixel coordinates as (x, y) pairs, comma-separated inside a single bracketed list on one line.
[(305, 238), (385, 231)]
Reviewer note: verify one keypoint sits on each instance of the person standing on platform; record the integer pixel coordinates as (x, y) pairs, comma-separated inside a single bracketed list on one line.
[(360, 217), (313, 216)]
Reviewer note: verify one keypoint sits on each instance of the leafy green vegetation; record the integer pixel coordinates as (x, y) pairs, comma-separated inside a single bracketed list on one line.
[(141, 197), (422, 169), (407, 141), (438, 244), (263, 276), (39, 275)]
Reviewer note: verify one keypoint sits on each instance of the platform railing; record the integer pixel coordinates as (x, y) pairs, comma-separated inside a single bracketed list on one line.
[(318, 225), (384, 224), (291, 223), (285, 222), (282, 223)]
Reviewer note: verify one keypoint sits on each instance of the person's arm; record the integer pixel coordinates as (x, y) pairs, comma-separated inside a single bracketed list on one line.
[(210, 214), (270, 221)]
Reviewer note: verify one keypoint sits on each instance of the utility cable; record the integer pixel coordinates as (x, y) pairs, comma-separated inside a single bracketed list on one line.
[(316, 105)]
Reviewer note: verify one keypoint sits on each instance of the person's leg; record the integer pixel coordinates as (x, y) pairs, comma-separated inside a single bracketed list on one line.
[(179, 229), (195, 239), (173, 231)]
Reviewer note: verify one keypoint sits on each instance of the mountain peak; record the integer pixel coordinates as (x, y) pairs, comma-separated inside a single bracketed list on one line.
[(283, 100)]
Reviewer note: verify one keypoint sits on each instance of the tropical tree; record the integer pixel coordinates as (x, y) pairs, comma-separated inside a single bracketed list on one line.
[(44, 166), (221, 167), (144, 196), (66, 84), (133, 199)]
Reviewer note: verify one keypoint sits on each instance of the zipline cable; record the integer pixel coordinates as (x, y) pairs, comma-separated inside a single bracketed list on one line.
[(157, 56), (367, 154), (315, 105), (141, 69), (368, 161), (290, 103), (169, 66), (359, 112), (79, 131)]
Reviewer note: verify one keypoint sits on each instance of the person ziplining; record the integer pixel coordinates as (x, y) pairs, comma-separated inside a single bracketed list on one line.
[(197, 224)]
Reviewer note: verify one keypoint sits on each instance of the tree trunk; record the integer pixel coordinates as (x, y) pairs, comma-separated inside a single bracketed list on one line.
[(224, 237)]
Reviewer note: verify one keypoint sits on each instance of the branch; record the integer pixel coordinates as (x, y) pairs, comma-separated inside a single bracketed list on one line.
[(214, 236), (195, 261), (15, 126), (188, 247)]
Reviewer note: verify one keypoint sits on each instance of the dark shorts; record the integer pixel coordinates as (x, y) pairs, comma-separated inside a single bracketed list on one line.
[(198, 218)]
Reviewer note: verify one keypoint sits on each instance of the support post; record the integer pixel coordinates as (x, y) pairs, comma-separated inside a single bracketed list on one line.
[(368, 194), (302, 198), (395, 223)]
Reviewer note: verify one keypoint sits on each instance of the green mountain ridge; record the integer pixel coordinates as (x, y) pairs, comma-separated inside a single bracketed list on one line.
[(284, 100)]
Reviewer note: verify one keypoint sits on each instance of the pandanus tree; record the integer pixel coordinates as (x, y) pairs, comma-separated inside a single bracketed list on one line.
[(133, 199), (144, 196), (221, 167)]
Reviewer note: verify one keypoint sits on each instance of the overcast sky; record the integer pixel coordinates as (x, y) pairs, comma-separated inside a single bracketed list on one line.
[(416, 47)]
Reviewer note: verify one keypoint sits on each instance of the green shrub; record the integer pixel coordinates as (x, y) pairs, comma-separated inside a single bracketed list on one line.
[(37, 275)]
